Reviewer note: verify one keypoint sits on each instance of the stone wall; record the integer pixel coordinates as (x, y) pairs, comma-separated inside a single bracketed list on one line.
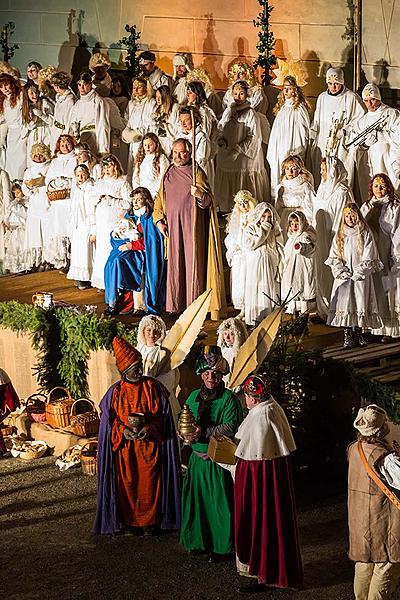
[(50, 31)]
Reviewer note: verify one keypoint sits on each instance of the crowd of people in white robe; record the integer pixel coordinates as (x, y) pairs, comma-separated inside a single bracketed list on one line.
[(311, 206)]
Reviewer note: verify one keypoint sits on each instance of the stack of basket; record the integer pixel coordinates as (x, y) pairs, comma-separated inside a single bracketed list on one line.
[(58, 410)]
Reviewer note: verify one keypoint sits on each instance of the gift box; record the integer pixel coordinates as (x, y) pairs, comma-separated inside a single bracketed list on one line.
[(222, 449)]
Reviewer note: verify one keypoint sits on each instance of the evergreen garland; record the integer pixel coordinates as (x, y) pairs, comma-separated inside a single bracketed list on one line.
[(266, 41), (63, 338), (6, 32), (131, 43)]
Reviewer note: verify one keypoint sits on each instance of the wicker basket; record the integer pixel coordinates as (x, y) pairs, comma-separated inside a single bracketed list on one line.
[(36, 407), (58, 410), (54, 195), (35, 182), (85, 424), (88, 458), (30, 451)]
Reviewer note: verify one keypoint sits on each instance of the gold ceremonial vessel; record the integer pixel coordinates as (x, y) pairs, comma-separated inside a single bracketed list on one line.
[(186, 423)]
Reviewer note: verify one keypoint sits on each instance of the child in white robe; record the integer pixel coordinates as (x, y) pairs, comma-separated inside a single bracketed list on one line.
[(296, 191), (298, 279), (235, 251), (39, 111), (5, 201), (263, 243), (150, 164), (112, 199), (15, 259), (85, 157), (231, 335), (353, 259), (151, 333), (34, 187), (82, 227)]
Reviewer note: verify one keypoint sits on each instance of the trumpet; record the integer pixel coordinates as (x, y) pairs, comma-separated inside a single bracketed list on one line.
[(361, 137)]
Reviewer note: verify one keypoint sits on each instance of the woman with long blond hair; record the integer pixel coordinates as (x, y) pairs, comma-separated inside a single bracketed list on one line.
[(353, 259), (165, 118), (290, 130), (150, 164)]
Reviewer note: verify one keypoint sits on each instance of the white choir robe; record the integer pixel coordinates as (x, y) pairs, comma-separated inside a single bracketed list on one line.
[(348, 108), (62, 116), (289, 135), (5, 202), (16, 141), (82, 227), (112, 200), (295, 194), (145, 175), (93, 112), (16, 258), (36, 230), (40, 127), (138, 118), (236, 256)]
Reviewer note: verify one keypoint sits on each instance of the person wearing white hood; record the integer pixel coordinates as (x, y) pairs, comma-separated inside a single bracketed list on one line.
[(332, 196), (380, 149), (231, 335), (339, 104), (151, 333), (183, 64)]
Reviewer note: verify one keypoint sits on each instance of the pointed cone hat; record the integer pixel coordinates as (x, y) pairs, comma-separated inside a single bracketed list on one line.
[(125, 355)]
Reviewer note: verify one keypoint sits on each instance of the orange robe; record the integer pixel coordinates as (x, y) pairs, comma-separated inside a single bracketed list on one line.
[(137, 462)]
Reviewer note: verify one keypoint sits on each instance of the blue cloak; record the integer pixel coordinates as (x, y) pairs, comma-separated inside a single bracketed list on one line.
[(106, 519), (124, 270)]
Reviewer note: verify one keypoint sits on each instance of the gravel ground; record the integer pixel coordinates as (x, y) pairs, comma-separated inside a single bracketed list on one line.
[(48, 553)]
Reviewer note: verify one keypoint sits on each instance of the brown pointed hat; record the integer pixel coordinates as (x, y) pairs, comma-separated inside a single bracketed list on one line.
[(125, 354)]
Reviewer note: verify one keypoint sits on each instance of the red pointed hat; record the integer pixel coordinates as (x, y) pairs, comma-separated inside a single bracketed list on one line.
[(125, 354)]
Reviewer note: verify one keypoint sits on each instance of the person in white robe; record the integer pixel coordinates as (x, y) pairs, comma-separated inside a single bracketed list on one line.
[(16, 139), (112, 199), (353, 258), (6, 198), (34, 188), (203, 147), (64, 101), (196, 97), (150, 336), (290, 130), (295, 191), (231, 335), (213, 99), (15, 257), (39, 114), (242, 71), (332, 196), (165, 118), (99, 64), (139, 117), (379, 150), (90, 117), (298, 278), (182, 63), (244, 203), (264, 251), (337, 110), (382, 213), (156, 77), (82, 228), (59, 177), (151, 164), (240, 161), (85, 157)]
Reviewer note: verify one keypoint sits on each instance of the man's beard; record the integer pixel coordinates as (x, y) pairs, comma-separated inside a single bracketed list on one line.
[(180, 162)]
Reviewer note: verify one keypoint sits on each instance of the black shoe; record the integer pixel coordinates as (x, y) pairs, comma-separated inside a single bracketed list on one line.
[(348, 339), (110, 312), (252, 587), (215, 558), (359, 338)]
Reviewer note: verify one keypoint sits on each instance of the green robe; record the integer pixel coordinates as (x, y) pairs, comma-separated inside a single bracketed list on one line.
[(207, 491)]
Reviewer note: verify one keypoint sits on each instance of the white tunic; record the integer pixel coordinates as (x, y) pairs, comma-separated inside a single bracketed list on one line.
[(139, 122), (295, 194), (82, 226), (289, 135), (36, 232), (353, 300), (15, 259), (62, 116), (236, 256), (112, 200), (5, 201), (92, 114), (17, 139), (145, 175), (39, 127), (348, 108), (240, 161)]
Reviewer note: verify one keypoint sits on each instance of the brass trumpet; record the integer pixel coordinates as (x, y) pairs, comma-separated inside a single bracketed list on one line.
[(361, 137)]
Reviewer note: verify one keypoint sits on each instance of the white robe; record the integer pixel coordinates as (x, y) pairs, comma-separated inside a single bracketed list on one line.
[(16, 259), (295, 194), (289, 135), (166, 129), (158, 78), (353, 300), (39, 127), (241, 132), (36, 231), (262, 271), (139, 122), (112, 200), (5, 202), (348, 108), (236, 256), (58, 216), (82, 226), (145, 176), (256, 97), (62, 116), (17, 139), (92, 111)]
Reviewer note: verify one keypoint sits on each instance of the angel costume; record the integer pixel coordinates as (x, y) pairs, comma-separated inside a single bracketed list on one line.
[(90, 119), (332, 196), (5, 200), (112, 200), (36, 231), (256, 97), (15, 259), (58, 217), (295, 194), (239, 332), (82, 227), (145, 175), (289, 135), (152, 356), (39, 126), (62, 114), (236, 254), (298, 279), (139, 121), (263, 245), (166, 128), (240, 162), (16, 141), (353, 300)]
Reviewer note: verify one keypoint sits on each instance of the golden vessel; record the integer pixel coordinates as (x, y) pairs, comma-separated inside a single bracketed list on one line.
[(186, 423)]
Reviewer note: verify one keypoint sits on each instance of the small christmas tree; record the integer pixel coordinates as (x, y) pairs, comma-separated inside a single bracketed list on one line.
[(266, 41), (131, 43), (6, 32)]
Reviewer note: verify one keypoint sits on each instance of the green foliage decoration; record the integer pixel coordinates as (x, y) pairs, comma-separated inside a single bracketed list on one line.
[(266, 41), (6, 32), (131, 43), (63, 338)]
